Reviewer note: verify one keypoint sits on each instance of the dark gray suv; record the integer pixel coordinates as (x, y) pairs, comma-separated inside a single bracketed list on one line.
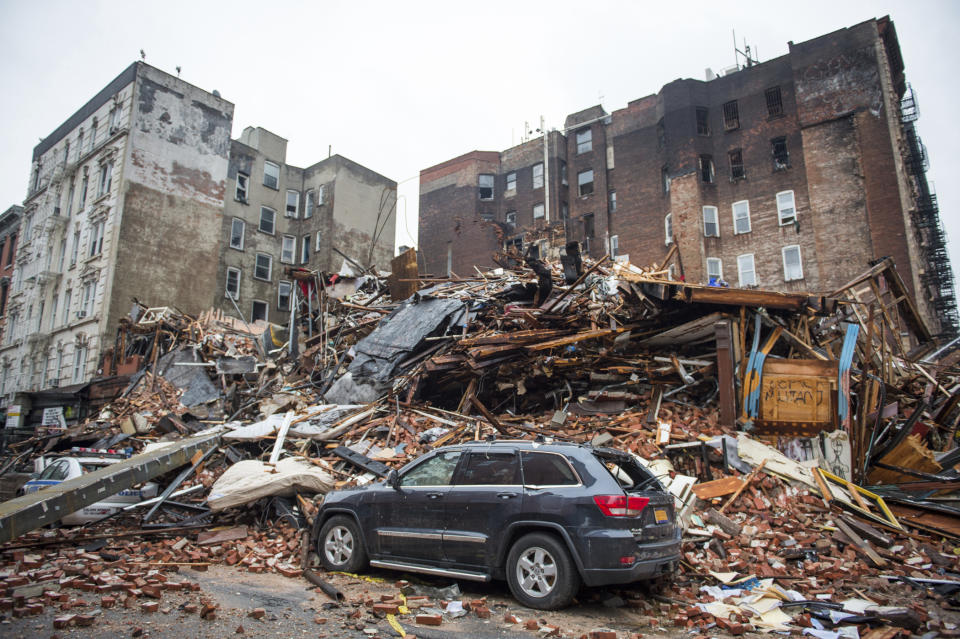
[(545, 517)]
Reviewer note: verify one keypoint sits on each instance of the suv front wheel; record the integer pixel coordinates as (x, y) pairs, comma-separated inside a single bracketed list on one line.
[(340, 546), (541, 573)]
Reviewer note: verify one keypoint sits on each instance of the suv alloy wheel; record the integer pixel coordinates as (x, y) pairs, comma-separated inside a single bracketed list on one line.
[(340, 546), (540, 572)]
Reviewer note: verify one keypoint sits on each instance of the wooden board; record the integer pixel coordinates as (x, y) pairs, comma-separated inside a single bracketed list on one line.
[(797, 397), (717, 488)]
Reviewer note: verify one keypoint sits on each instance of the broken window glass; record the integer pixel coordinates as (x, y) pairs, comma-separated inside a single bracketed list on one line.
[(703, 122), (242, 181), (485, 186), (781, 157), (259, 312), (236, 233), (283, 296), (706, 169)]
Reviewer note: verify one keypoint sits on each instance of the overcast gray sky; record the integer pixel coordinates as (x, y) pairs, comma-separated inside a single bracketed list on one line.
[(400, 86)]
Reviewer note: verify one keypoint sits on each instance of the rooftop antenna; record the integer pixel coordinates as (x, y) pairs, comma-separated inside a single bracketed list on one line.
[(143, 55), (750, 60), (178, 70)]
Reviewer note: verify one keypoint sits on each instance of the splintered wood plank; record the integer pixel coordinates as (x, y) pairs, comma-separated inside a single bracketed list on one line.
[(717, 488)]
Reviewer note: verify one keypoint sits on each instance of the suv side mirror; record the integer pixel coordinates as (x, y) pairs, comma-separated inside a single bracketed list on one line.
[(393, 479)]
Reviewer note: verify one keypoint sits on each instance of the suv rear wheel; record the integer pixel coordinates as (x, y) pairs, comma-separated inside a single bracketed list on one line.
[(340, 546), (541, 573)]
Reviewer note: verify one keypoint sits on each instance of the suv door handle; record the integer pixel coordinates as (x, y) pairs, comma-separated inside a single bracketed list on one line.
[(506, 495), (434, 495)]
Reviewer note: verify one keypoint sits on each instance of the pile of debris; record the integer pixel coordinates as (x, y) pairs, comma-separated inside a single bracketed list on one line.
[(809, 440)]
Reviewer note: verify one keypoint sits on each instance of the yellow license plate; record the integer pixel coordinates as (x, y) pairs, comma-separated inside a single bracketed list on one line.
[(660, 515)]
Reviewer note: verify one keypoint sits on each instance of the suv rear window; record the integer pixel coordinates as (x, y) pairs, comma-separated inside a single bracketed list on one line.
[(490, 469), (547, 469), (628, 473)]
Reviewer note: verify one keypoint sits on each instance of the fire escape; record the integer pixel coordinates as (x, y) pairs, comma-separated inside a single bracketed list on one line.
[(937, 274)]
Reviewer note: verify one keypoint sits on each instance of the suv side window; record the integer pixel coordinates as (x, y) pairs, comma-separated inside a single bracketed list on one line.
[(547, 469), (490, 469), (437, 471)]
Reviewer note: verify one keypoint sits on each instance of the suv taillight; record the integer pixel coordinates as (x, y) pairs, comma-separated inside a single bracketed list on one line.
[(621, 505)]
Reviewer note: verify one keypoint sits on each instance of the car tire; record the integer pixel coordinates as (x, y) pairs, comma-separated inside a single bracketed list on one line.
[(340, 545), (541, 573)]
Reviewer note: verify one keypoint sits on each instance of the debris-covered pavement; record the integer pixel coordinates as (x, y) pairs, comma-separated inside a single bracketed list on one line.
[(809, 442)]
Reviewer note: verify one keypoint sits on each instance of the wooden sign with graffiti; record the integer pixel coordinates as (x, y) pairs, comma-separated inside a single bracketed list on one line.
[(797, 397)]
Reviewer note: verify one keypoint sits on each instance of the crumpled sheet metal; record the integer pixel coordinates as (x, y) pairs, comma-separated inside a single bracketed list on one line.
[(249, 480)]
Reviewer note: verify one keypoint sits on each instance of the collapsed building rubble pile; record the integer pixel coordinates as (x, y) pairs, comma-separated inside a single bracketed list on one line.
[(809, 440)]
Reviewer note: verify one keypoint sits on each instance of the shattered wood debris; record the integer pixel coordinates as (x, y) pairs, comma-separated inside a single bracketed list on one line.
[(809, 440)]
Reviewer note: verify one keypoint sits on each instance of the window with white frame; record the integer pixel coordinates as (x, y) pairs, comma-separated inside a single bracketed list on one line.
[(786, 207), (288, 249), (746, 272), (259, 311), (84, 186), (538, 211), (511, 181), (96, 237), (93, 134), (305, 249), (585, 182), (612, 201), (711, 223), (510, 217), (319, 243), (668, 229), (268, 220), (106, 178), (233, 283), (237, 229), (70, 193), (714, 269), (79, 362), (584, 141), (75, 248), (62, 256), (792, 263), (114, 119), (53, 312), (485, 186), (321, 194), (243, 181), (538, 176), (741, 217), (672, 272), (89, 295), (614, 245), (263, 267), (310, 204), (67, 298), (271, 175), (283, 296), (293, 203), (563, 172), (27, 226)]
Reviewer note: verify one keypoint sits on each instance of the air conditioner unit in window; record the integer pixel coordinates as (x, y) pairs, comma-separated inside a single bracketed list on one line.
[(55, 382), (81, 314), (114, 129)]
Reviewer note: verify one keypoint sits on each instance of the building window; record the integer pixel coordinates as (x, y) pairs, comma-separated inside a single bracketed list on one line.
[(321, 193), (96, 238), (283, 296), (781, 157), (79, 362), (610, 157), (259, 311), (66, 151), (70, 192), (89, 295), (67, 298), (80, 144), (745, 270), (703, 121), (268, 220), (588, 227), (511, 181), (672, 272), (774, 102), (93, 134), (786, 207), (288, 248), (264, 266), (665, 179), (485, 186), (736, 164), (731, 116), (62, 254), (538, 211), (114, 119), (487, 216), (563, 173), (53, 312), (538, 176), (233, 283), (614, 245), (84, 185), (27, 227), (564, 211), (585, 182), (271, 175), (706, 169), (293, 204), (584, 141), (792, 264), (106, 177), (305, 249), (741, 217), (511, 217), (75, 248), (13, 248), (237, 228), (714, 270), (711, 224), (310, 204), (319, 243), (668, 229), (243, 180), (661, 135), (612, 201)]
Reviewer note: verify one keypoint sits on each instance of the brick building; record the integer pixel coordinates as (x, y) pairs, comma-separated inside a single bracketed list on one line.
[(9, 223), (277, 215), (791, 174)]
